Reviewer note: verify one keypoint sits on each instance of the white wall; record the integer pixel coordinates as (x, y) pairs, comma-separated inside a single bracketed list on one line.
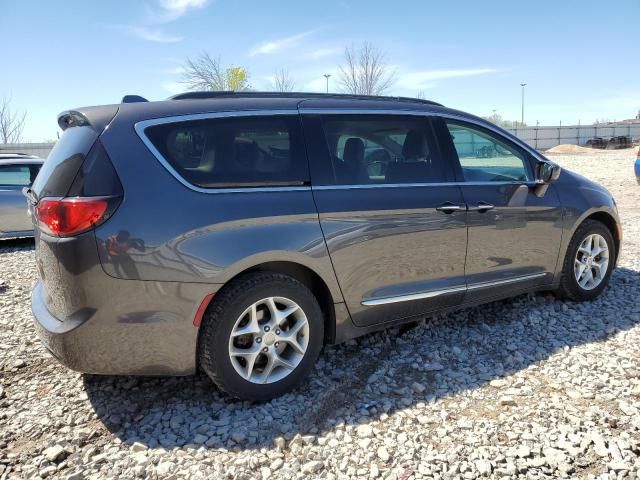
[(543, 138)]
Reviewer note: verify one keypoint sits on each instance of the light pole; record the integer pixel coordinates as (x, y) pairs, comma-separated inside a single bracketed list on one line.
[(327, 75), (522, 116)]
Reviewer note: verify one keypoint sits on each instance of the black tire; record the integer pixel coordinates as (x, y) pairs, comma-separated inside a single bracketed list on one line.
[(569, 287), (221, 316)]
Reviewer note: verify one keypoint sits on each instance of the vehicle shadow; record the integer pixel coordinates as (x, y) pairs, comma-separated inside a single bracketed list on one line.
[(439, 357), (8, 244)]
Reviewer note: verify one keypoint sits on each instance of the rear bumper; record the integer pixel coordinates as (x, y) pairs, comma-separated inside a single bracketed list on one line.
[(145, 330)]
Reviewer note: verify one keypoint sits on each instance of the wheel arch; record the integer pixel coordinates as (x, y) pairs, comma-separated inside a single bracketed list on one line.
[(606, 216), (305, 275), (612, 225)]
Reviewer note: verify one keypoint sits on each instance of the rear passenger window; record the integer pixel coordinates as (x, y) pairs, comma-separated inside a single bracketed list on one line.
[(15, 176), (234, 151), (382, 149)]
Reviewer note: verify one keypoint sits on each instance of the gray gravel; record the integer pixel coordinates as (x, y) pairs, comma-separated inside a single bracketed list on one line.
[(531, 387)]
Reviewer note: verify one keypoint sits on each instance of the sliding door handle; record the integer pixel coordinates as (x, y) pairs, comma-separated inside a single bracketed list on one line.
[(481, 207), (449, 207)]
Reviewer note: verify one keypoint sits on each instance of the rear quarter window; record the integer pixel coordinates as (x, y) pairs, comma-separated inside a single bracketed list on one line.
[(234, 151)]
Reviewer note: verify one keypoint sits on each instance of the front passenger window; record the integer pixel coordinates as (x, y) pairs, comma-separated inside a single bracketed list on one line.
[(382, 149), (485, 158)]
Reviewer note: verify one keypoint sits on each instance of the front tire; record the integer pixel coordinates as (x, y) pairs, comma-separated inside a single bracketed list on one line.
[(588, 263), (261, 336)]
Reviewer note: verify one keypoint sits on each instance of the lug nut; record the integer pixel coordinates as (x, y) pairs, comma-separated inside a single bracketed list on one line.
[(277, 332), (265, 349), (266, 329), (276, 344), (258, 340)]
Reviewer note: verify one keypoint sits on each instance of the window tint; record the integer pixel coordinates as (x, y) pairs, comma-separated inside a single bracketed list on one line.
[(485, 158), (234, 152), (15, 175), (382, 149)]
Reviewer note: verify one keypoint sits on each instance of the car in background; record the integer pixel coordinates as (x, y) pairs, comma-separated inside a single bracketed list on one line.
[(637, 167), (17, 170)]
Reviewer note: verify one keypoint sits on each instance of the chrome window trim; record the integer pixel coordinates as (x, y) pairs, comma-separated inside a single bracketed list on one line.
[(140, 127), (436, 293)]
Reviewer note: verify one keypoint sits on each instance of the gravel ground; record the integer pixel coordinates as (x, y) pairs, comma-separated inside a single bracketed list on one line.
[(531, 387)]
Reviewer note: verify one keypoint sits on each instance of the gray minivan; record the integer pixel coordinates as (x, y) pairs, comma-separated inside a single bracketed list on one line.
[(240, 232)]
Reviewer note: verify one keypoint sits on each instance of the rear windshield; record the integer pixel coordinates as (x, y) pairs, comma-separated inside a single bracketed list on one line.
[(62, 164), (234, 152)]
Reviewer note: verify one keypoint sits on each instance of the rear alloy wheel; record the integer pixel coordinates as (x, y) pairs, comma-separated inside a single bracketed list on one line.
[(588, 262), (261, 336), (269, 340)]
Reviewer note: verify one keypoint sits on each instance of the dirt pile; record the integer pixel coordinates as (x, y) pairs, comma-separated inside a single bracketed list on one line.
[(565, 148)]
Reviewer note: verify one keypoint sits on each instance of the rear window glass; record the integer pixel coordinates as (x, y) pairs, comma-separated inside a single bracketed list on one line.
[(61, 166), (234, 152), (15, 175)]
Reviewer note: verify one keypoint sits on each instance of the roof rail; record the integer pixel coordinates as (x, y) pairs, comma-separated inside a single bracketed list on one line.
[(302, 95)]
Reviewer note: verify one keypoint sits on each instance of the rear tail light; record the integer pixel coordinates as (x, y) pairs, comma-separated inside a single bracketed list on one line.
[(64, 217)]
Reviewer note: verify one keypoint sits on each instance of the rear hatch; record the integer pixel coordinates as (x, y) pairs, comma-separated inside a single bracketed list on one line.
[(76, 190)]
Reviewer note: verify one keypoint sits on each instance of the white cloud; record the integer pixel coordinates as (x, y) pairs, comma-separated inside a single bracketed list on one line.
[(151, 34), (274, 46), (160, 13), (425, 79), (166, 11), (324, 52)]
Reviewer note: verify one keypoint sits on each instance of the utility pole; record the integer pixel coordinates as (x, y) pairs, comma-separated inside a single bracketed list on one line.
[(522, 115), (327, 75)]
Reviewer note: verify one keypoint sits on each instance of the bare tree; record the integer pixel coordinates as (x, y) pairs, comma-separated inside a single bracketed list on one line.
[(206, 73), (364, 71), (283, 82), (11, 123)]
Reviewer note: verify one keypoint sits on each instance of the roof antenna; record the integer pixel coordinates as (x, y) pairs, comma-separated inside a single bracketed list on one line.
[(133, 99)]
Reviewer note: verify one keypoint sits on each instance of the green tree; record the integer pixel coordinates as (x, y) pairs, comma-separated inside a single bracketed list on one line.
[(207, 73)]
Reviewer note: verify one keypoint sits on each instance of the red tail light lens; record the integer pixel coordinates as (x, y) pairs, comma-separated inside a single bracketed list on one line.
[(69, 216)]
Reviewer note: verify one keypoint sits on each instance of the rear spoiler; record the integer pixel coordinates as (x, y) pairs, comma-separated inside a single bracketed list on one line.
[(96, 117)]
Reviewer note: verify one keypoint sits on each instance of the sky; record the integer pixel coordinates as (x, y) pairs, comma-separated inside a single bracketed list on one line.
[(579, 58)]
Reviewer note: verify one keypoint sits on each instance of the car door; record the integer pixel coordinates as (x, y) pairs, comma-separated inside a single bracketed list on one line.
[(393, 219), (514, 232), (13, 206)]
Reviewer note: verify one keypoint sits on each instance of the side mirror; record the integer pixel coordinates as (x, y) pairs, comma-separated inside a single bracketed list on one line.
[(547, 172)]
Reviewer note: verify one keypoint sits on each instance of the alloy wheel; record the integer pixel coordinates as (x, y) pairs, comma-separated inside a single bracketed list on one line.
[(269, 340), (591, 262)]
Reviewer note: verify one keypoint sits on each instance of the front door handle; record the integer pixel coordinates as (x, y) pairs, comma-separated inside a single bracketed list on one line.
[(449, 207), (481, 207)]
